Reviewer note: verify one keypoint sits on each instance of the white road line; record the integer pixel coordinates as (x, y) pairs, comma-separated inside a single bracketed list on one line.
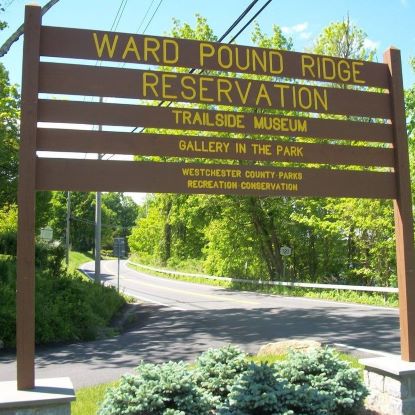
[(139, 297), (361, 349), (148, 300)]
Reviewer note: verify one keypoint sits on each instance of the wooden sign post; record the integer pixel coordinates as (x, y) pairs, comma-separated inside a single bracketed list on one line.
[(264, 129)]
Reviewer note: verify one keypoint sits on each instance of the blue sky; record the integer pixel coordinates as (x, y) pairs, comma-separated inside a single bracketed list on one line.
[(386, 22)]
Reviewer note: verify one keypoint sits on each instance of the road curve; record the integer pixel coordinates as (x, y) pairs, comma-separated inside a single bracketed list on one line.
[(179, 320)]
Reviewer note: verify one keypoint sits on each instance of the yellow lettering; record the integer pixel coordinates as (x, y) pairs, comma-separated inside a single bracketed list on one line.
[(224, 87), (241, 95), (263, 94), (327, 64), (344, 70), (356, 72), (131, 47), (176, 114), (182, 145), (282, 89), (237, 60), (205, 51), (279, 62), (203, 89), (187, 117), (148, 49), (221, 53), (175, 50), (307, 65), (320, 98), (190, 87), (105, 44), (165, 85), (150, 81), (261, 61)]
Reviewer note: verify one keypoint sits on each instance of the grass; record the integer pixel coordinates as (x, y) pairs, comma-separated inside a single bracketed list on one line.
[(88, 399), (376, 299), (76, 259)]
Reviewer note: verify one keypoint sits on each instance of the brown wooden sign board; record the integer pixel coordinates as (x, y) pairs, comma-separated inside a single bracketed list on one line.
[(203, 89), (248, 123), (237, 149), (154, 50), (118, 176), (165, 145)]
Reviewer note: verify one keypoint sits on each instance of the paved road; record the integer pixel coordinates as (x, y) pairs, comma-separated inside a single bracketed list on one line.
[(180, 320)]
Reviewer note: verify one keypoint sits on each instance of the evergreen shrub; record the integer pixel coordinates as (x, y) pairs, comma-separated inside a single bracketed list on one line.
[(217, 370), (258, 392), (322, 383), (167, 389), (222, 382)]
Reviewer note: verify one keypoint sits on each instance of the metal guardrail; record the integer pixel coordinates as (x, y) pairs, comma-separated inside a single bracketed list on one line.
[(283, 283)]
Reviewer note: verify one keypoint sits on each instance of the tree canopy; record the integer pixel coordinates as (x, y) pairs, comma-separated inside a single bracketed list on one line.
[(341, 240)]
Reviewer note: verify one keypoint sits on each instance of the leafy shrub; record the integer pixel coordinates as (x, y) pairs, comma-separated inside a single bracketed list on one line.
[(50, 256), (258, 392), (68, 306), (167, 389), (222, 382), (217, 370), (322, 383), (71, 307)]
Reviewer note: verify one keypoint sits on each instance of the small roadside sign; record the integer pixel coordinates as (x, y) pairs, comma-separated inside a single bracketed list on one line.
[(46, 234), (285, 251), (119, 247)]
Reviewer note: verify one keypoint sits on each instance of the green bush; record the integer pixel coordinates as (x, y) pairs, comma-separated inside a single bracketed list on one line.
[(71, 307), (223, 382), (322, 383), (68, 306), (216, 371), (258, 392), (167, 389), (50, 257)]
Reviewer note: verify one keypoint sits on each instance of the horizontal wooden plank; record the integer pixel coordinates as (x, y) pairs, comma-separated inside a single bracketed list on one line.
[(94, 113), (209, 147), (156, 85), (130, 176), (163, 51)]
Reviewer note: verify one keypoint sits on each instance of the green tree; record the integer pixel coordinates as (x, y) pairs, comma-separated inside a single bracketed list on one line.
[(118, 216), (9, 142), (343, 39), (410, 113), (333, 240), (124, 214), (365, 226)]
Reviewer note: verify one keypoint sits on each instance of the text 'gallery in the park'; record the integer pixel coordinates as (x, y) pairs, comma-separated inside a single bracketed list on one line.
[(229, 120)]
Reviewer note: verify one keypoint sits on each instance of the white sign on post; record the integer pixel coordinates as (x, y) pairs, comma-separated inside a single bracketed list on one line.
[(285, 251), (46, 234)]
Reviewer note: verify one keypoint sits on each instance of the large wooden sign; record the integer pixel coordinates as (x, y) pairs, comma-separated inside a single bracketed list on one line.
[(304, 125)]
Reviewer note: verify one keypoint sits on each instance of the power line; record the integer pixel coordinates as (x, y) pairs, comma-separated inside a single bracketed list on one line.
[(145, 15), (119, 14), (233, 25), (91, 222), (7, 5), (251, 20), (152, 17)]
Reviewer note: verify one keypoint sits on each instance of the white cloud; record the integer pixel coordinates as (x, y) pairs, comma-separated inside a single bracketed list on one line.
[(371, 44), (305, 35), (296, 29)]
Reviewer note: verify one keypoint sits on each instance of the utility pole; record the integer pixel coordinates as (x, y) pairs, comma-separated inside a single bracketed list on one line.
[(98, 223), (68, 222), (98, 233)]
